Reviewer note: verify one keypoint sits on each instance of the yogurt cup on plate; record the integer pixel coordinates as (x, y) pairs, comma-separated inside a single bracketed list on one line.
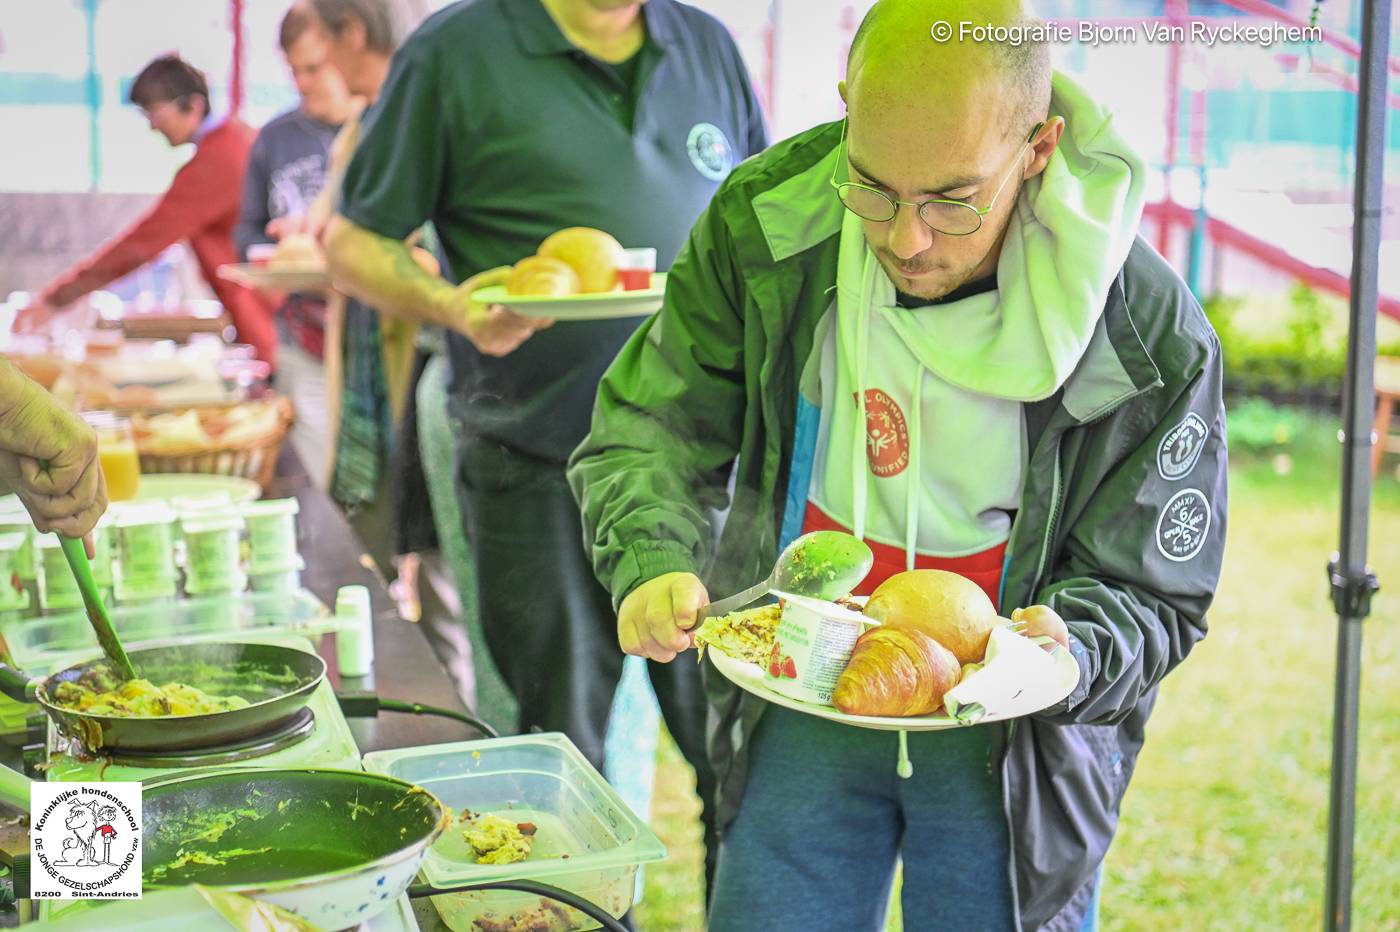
[(812, 647)]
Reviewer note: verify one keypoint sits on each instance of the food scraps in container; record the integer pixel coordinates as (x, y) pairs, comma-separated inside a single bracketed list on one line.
[(547, 916), (495, 840)]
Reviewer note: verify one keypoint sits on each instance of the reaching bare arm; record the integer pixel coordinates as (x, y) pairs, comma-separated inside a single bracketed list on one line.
[(383, 273)]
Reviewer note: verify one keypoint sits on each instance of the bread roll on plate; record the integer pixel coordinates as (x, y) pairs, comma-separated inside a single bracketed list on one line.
[(296, 251), (593, 254), (539, 275)]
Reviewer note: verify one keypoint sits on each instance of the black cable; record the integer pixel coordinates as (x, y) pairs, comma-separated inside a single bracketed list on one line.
[(417, 708), (591, 910)]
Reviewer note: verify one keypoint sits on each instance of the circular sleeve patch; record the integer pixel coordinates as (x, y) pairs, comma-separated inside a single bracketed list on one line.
[(1183, 525), (1181, 448)]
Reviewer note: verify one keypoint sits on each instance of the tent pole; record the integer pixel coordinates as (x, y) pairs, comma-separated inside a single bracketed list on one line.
[(1352, 582)]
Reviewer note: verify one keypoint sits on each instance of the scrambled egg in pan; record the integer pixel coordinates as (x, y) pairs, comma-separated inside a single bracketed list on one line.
[(742, 635), (96, 694)]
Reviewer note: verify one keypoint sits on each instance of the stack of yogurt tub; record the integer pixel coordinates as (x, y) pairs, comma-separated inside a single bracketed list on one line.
[(152, 552), (143, 558), (274, 560), (153, 541)]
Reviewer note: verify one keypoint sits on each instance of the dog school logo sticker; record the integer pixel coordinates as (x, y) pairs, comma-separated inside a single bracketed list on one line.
[(1183, 525), (85, 840), (710, 151), (1181, 448)]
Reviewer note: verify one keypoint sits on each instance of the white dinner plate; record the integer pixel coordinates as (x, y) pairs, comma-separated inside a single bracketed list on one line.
[(608, 305), (309, 276), (1036, 696)]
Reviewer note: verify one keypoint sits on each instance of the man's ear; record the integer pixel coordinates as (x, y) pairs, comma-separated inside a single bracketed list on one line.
[(186, 104), (1046, 142)]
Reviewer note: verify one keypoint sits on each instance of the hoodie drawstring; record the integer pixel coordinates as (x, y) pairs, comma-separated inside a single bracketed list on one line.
[(859, 480), (913, 488)]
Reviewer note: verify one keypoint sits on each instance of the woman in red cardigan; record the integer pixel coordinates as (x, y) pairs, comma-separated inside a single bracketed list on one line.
[(201, 206)]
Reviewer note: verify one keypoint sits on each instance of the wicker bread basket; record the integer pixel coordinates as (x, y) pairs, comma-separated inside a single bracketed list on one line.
[(256, 459)]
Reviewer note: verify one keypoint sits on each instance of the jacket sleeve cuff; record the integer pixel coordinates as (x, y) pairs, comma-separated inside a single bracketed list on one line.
[(644, 562), (1086, 675)]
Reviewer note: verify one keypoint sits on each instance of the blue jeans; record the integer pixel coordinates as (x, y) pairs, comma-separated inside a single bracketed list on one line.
[(825, 818)]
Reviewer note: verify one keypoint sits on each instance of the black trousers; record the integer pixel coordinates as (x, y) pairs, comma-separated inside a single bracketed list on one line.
[(550, 625)]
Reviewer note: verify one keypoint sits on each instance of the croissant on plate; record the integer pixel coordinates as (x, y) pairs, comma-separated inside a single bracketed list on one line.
[(539, 275), (896, 671)]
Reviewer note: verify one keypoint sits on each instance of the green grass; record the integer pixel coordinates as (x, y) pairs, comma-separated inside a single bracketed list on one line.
[(1225, 824)]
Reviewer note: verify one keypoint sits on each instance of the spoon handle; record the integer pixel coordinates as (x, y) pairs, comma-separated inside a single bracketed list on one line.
[(725, 606)]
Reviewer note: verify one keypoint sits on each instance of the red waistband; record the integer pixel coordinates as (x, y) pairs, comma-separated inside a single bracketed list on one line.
[(982, 568)]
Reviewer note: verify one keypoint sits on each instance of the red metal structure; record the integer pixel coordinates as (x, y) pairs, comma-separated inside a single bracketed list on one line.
[(236, 71), (1172, 217)]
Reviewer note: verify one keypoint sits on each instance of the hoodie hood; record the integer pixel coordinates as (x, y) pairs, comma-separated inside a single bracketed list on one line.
[(936, 462), (1069, 234)]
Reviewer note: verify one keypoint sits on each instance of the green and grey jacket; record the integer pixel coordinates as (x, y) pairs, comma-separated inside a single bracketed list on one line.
[(1121, 527)]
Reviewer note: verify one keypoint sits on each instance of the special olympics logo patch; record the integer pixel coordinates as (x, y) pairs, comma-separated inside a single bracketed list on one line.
[(1183, 525), (886, 435), (85, 840), (1181, 448), (710, 151)]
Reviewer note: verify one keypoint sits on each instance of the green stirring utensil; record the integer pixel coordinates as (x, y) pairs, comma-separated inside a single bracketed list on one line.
[(101, 621), (96, 611)]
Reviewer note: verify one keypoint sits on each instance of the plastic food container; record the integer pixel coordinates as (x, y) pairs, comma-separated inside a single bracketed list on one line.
[(588, 841), (42, 645), (813, 645), (58, 590), (289, 581), (212, 559), (15, 520), (637, 268), (145, 544), (105, 554), (12, 554), (272, 536), (144, 590), (354, 640)]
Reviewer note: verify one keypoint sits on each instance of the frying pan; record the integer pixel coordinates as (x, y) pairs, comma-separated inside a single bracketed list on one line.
[(276, 680)]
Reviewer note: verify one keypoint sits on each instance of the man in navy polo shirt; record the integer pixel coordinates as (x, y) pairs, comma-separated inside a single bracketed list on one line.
[(503, 121)]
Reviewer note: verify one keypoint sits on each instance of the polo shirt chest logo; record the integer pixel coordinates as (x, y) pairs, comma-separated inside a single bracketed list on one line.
[(886, 435), (710, 151)]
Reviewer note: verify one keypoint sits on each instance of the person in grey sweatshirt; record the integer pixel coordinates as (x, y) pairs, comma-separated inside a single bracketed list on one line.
[(286, 170)]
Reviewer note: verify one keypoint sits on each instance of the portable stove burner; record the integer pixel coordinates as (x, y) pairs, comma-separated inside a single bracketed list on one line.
[(293, 731)]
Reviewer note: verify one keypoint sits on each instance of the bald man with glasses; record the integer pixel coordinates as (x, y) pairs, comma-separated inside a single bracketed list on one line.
[(965, 355)]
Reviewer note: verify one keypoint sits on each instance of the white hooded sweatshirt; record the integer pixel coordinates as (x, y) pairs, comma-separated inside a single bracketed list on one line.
[(939, 459)]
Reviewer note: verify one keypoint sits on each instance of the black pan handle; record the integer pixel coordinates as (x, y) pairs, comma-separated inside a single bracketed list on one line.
[(16, 685)]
